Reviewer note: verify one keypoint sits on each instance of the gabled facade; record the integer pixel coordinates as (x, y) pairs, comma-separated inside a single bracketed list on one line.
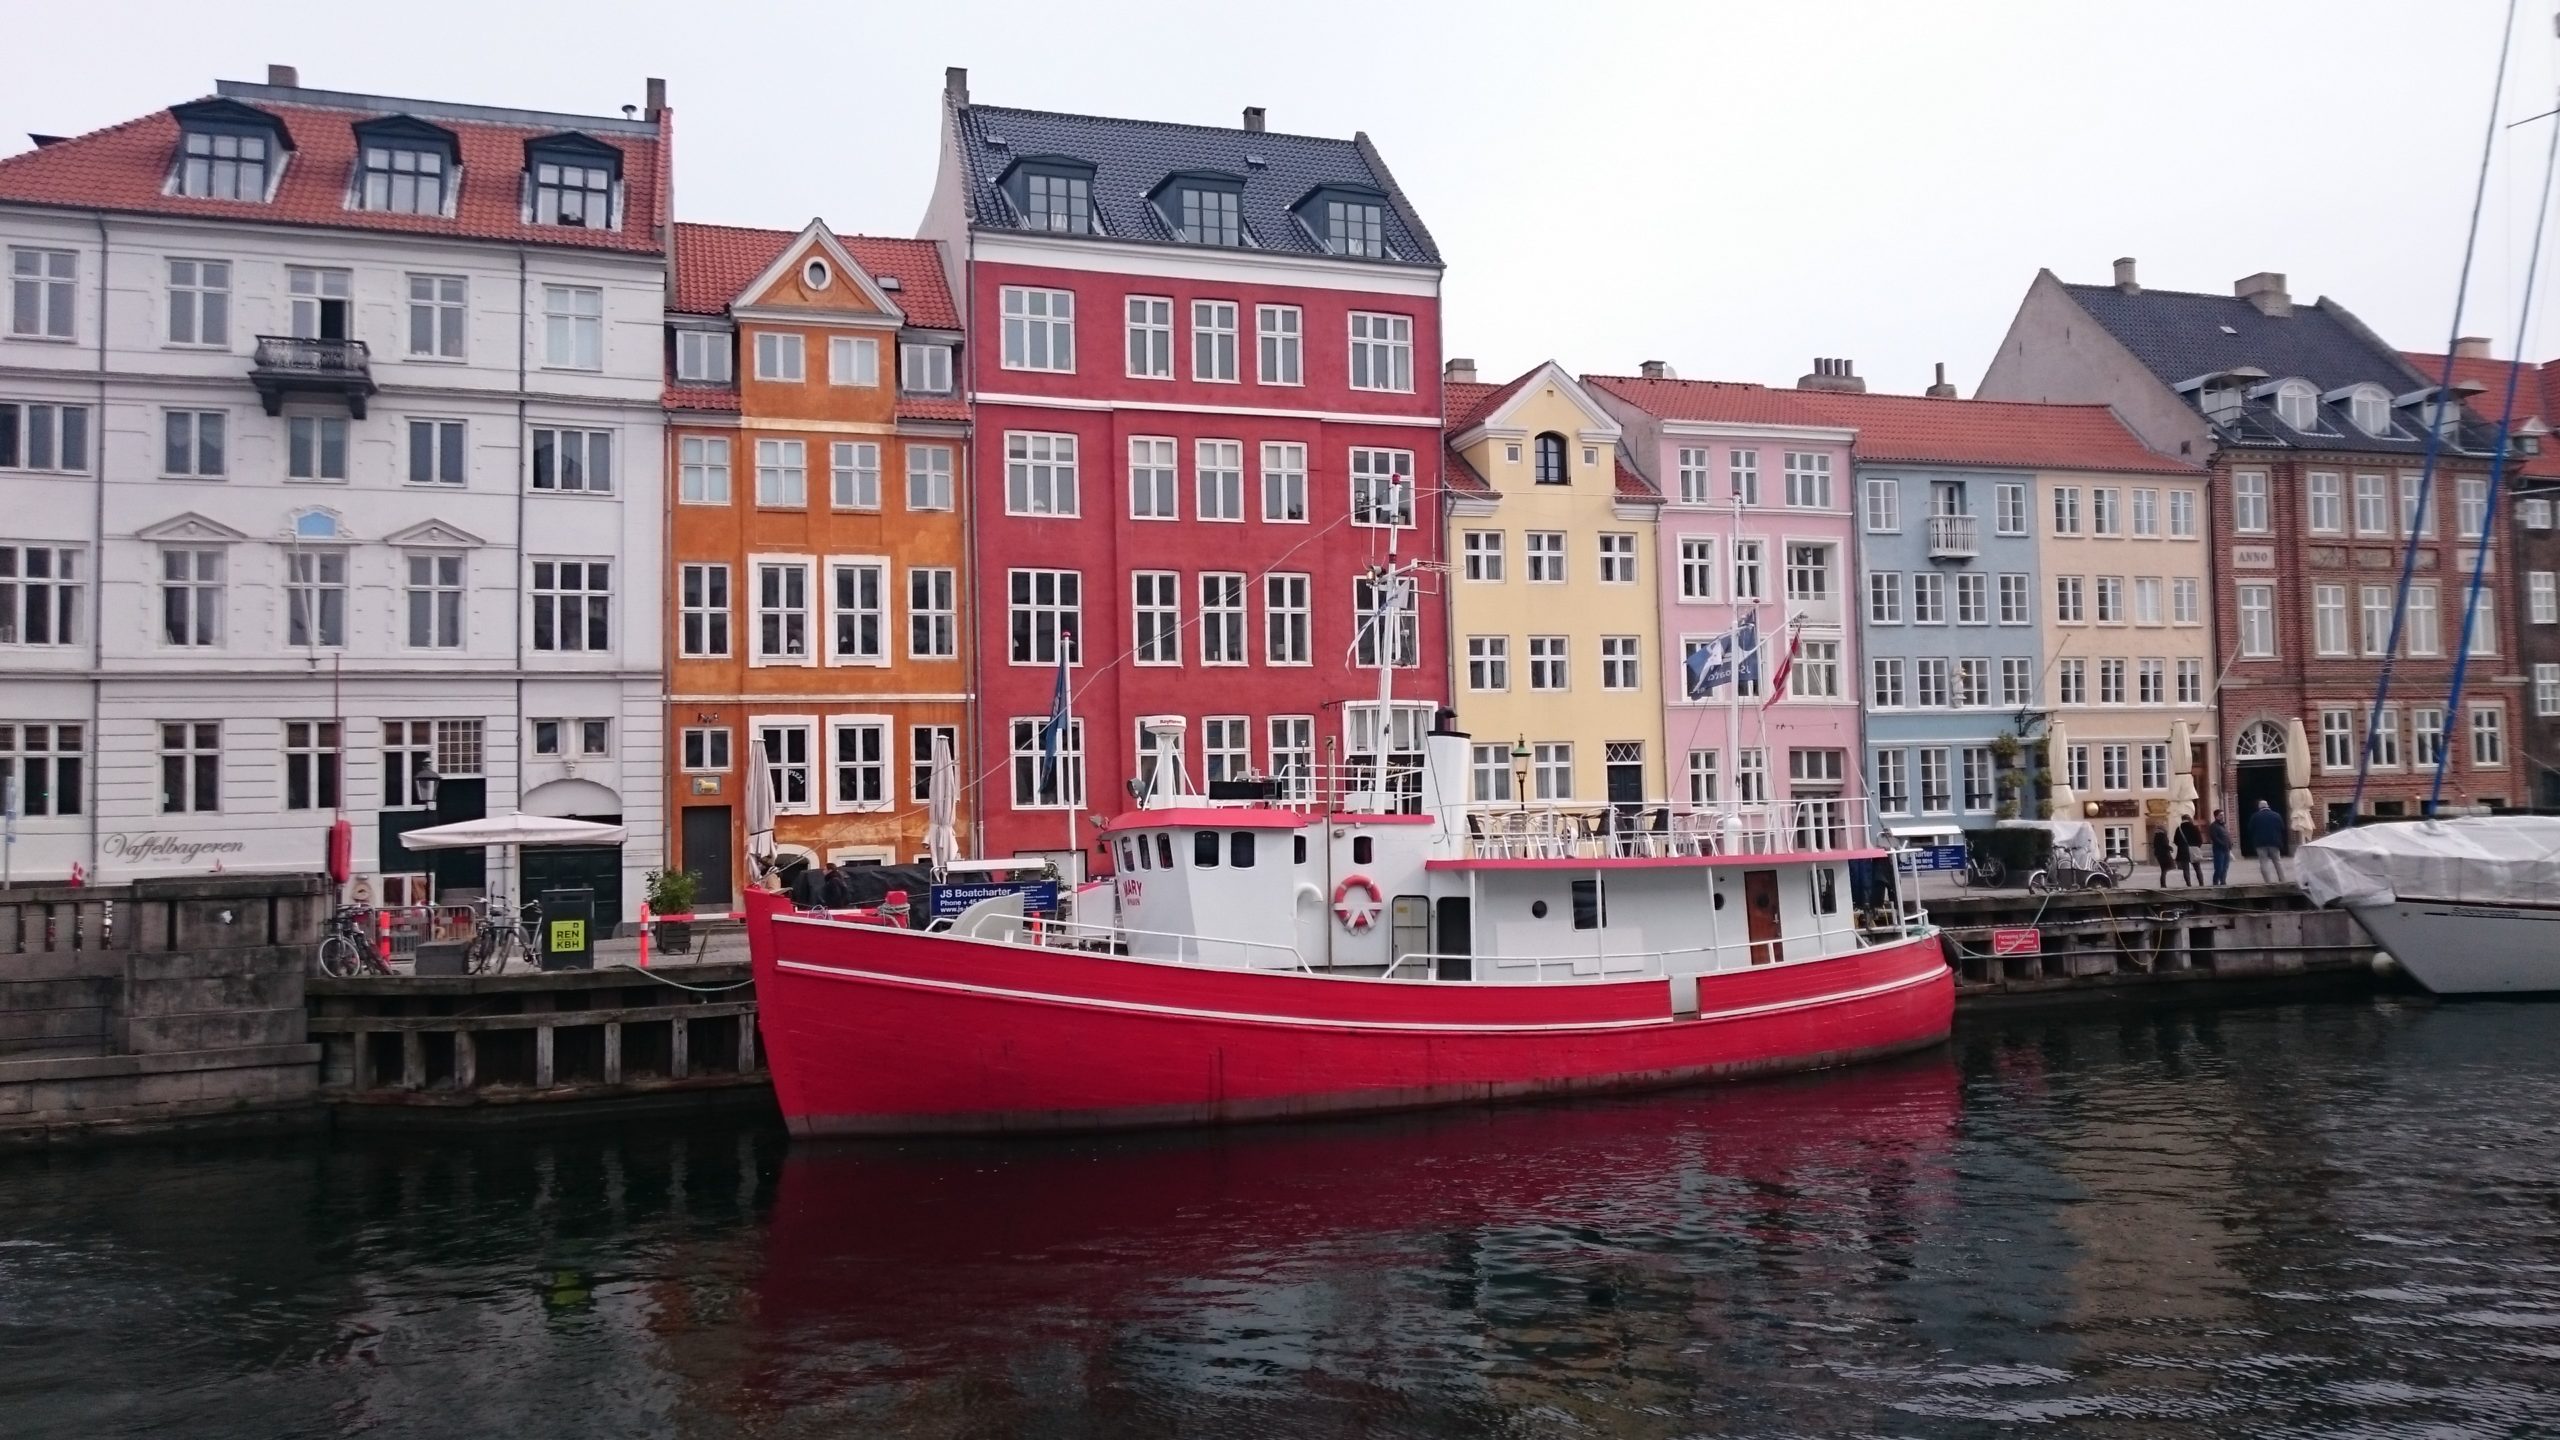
[(331, 466), (2313, 432), (1755, 520), (1204, 365), (2532, 576), (816, 610), (1555, 646)]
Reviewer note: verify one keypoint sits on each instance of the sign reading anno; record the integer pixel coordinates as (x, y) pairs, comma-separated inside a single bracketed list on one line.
[(2253, 557)]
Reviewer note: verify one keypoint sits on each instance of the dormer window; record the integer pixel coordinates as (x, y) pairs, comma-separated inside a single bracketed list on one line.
[(1551, 464), (404, 166), (2298, 405), (1203, 209), (2219, 402), (1051, 192), (1353, 228), (1347, 220), (571, 180), (227, 151), (2370, 408)]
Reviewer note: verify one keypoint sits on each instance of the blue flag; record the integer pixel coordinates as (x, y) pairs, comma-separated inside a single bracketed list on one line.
[(1713, 663), (1054, 733)]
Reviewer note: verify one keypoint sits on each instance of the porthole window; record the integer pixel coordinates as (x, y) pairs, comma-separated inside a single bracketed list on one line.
[(1537, 909), (1363, 850), (1719, 899), (817, 274)]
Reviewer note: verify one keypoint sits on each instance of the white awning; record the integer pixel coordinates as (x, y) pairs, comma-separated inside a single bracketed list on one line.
[(512, 830)]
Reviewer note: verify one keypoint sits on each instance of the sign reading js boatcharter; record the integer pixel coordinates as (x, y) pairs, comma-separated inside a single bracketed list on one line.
[(164, 850)]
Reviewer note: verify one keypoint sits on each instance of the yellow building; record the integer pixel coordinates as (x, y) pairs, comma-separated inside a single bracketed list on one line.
[(1553, 631)]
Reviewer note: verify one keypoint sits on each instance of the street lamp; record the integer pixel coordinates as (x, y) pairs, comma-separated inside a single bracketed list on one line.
[(422, 784), (1520, 772)]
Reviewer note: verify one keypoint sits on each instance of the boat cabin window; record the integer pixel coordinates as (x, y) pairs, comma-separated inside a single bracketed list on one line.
[(1164, 849), (1204, 849), (1240, 850), (1363, 850), (1145, 860), (1299, 850), (1826, 892), (1590, 905), (1128, 854)]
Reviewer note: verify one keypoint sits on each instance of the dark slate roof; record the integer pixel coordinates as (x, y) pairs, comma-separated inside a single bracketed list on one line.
[(1132, 157), (2179, 335)]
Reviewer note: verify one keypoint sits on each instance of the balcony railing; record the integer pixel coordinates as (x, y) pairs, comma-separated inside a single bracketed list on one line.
[(286, 365), (1954, 537)]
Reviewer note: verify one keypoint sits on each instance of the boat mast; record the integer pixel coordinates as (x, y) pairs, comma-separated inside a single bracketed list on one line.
[(1389, 588)]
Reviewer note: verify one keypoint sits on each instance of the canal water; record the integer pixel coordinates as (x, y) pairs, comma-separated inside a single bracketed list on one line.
[(2329, 1219)]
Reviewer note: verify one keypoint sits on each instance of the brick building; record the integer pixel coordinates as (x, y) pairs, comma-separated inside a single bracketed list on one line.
[(1205, 372), (2314, 433)]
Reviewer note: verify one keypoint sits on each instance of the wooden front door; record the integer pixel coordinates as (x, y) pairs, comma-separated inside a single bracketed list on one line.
[(1760, 903)]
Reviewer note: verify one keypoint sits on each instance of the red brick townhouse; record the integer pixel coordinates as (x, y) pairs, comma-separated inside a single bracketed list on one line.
[(1205, 366)]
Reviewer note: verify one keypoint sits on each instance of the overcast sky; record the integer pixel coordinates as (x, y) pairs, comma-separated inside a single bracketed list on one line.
[(1732, 187)]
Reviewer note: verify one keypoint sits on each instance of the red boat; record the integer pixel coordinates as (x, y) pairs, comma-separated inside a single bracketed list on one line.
[(1256, 961)]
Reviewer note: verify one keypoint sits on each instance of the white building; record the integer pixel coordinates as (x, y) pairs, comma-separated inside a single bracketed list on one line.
[(330, 453)]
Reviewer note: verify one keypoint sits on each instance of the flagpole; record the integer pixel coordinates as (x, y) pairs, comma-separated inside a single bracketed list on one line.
[(1066, 737)]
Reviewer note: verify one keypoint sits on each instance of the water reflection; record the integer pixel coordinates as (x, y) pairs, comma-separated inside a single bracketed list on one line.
[(2332, 1220)]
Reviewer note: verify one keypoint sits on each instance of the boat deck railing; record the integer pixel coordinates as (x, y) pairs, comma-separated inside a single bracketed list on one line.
[(1211, 951), (1549, 831)]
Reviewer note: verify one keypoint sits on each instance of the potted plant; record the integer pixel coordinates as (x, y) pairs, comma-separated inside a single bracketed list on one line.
[(2004, 749), (671, 893)]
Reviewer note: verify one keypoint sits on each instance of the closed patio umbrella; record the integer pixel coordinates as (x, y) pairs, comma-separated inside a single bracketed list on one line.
[(759, 817), (942, 804), (2182, 783), (2057, 752), (2297, 775)]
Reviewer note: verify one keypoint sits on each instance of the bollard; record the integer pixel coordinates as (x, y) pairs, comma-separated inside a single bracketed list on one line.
[(644, 934), (382, 937)]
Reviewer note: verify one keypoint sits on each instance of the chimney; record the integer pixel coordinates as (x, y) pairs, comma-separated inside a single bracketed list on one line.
[(1253, 119), (657, 105), (1657, 370), (2266, 291), (1458, 371), (1944, 391), (2124, 276), (2471, 347), (1831, 374), (955, 84), (284, 77)]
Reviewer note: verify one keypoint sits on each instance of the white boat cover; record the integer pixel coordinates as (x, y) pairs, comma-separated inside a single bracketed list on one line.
[(2480, 860)]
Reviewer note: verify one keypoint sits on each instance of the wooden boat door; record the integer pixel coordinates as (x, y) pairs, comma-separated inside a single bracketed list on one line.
[(1760, 904)]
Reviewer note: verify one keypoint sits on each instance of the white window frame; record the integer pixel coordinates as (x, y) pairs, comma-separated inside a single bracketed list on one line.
[(853, 475), (1284, 483), (1147, 324), (882, 764), (1214, 342), (1040, 477), (1155, 618), (809, 764), (1217, 478), (1039, 329), (1279, 345), (1288, 618), (1489, 664), (702, 470), (572, 327), (1056, 620), (788, 621), (854, 361), (933, 612), (931, 474), (1381, 351), (881, 615), (1225, 618), (700, 619), (782, 474)]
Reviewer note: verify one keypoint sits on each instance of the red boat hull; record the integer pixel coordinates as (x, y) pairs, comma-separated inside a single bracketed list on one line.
[(879, 1031)]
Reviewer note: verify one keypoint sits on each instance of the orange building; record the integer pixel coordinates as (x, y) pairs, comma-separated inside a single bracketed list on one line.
[(815, 445)]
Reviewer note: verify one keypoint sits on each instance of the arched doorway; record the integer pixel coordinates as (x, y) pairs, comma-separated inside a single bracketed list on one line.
[(2258, 758), (577, 867)]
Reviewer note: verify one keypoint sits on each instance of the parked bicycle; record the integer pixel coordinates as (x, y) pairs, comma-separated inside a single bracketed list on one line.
[(348, 949), (2065, 874), (502, 934), (1988, 871)]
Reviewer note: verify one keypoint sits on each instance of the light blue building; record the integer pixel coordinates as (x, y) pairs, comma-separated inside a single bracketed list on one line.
[(1948, 584)]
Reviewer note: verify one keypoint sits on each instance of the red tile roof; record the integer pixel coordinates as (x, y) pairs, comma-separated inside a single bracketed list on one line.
[(714, 262), (912, 407), (125, 168), (1466, 402), (1633, 486), (2537, 397), (1914, 429), (1459, 476), (697, 397)]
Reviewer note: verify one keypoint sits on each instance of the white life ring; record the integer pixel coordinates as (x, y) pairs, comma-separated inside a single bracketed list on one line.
[(1357, 916)]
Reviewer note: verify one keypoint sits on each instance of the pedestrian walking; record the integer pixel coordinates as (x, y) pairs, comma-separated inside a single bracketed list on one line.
[(2266, 836), (2219, 832), (2160, 854), (2190, 840)]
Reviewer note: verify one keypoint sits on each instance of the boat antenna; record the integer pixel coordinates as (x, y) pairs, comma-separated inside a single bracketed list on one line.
[(2435, 431), (2497, 475)]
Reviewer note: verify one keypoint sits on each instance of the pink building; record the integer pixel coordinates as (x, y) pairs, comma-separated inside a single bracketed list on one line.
[(1756, 521)]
